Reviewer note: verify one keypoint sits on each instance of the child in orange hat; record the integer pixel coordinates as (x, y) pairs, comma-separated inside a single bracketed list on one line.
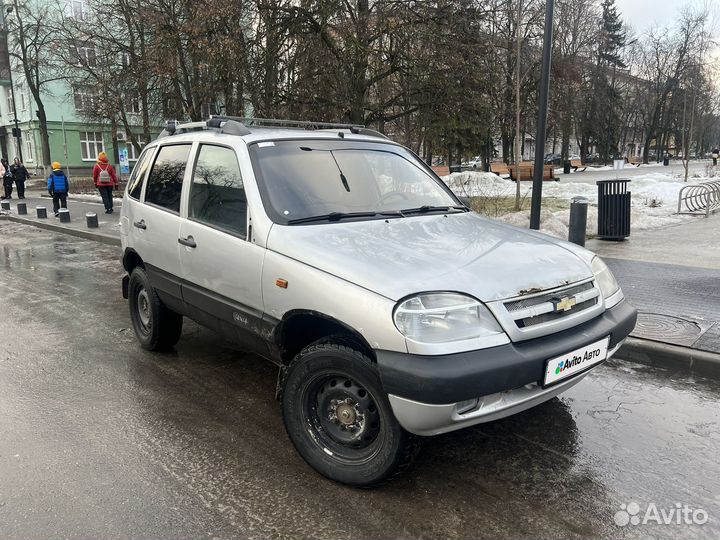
[(58, 187)]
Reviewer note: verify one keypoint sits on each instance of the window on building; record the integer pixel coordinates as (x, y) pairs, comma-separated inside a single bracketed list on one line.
[(29, 150), (84, 97), (83, 55), (132, 103), (132, 153), (209, 109), (217, 194), (173, 107), (10, 104), (23, 100), (124, 59), (165, 181), (78, 9), (91, 144)]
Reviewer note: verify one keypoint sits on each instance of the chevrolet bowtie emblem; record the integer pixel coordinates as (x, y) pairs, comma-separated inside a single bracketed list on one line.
[(564, 304)]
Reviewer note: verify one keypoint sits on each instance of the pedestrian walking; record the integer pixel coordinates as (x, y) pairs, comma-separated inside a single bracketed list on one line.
[(2, 175), (7, 178), (105, 180), (20, 174), (715, 154), (58, 187)]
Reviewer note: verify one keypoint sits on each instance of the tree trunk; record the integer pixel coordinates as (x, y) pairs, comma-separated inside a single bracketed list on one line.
[(44, 135), (116, 150)]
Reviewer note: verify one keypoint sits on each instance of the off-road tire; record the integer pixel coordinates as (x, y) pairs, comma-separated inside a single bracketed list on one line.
[(308, 386)]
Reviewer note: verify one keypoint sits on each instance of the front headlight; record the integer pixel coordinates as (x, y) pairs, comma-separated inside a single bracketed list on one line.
[(443, 318), (605, 279)]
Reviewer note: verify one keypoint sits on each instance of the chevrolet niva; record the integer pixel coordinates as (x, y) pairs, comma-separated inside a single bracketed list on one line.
[(392, 310)]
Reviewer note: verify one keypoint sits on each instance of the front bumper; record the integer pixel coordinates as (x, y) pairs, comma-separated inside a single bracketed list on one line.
[(425, 390)]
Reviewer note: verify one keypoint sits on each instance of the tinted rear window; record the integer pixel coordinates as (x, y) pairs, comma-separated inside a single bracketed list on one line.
[(165, 182)]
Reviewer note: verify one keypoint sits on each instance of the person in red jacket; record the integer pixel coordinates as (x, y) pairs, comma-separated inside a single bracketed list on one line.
[(105, 180)]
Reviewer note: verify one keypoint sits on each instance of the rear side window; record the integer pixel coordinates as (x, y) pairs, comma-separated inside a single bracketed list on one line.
[(217, 194), (138, 174), (165, 181)]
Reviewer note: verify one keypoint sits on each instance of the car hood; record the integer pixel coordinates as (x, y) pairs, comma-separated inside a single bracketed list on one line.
[(458, 252)]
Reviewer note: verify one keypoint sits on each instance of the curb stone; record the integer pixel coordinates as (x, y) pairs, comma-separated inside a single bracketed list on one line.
[(87, 235), (655, 353)]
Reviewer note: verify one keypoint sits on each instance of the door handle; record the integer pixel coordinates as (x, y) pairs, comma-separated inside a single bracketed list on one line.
[(189, 242), (140, 224)]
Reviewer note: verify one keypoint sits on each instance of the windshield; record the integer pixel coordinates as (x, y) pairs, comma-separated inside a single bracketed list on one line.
[(303, 179)]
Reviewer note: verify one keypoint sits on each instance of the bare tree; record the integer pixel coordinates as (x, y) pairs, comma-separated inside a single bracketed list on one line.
[(30, 49)]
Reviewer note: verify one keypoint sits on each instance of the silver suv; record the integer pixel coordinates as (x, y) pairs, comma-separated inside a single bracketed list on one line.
[(392, 311)]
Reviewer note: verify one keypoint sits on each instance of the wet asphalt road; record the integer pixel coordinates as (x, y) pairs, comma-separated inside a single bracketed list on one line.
[(99, 438)]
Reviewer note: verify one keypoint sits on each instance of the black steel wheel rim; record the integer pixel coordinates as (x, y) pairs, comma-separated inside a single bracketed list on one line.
[(143, 310), (342, 417)]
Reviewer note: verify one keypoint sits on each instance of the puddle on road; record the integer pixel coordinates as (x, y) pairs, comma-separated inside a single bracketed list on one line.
[(56, 256)]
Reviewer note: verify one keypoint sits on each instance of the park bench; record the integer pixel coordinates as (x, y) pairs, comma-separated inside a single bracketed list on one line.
[(526, 172), (576, 164), (441, 170), (635, 160), (500, 168)]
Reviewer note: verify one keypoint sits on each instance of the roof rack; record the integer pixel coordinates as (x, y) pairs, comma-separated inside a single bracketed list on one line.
[(358, 129), (230, 127), (272, 122), (238, 125)]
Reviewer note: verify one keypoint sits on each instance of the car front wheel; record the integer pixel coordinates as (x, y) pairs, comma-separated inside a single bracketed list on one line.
[(339, 418)]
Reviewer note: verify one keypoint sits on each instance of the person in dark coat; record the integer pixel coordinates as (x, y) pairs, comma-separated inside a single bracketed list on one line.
[(58, 187), (7, 178), (20, 174)]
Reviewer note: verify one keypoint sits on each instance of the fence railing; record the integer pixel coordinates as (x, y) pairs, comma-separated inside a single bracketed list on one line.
[(701, 198)]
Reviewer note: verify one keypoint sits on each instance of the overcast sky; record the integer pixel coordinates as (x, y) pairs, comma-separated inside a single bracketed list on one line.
[(642, 14)]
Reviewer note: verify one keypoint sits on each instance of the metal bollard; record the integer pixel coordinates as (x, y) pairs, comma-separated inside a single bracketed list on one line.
[(64, 215), (5, 205), (41, 212), (21, 209), (92, 220), (578, 221)]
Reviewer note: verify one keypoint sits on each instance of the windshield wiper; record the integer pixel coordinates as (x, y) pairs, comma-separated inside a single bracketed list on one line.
[(337, 216), (427, 208)]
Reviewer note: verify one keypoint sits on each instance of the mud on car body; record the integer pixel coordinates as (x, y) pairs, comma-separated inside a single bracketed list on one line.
[(392, 311)]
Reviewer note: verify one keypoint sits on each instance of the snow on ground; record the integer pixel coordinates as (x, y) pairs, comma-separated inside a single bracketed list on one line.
[(654, 199)]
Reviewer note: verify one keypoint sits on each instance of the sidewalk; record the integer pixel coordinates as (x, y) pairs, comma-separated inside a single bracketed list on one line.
[(672, 276), (108, 230)]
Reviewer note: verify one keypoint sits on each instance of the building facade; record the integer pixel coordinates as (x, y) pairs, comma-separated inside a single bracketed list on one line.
[(75, 139)]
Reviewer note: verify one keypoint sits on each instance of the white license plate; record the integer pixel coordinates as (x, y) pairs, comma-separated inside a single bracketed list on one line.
[(562, 367)]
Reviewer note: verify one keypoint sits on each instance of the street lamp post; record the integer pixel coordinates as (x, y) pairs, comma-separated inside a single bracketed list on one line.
[(538, 169), (16, 131)]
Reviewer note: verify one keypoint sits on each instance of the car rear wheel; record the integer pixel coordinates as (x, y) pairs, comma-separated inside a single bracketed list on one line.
[(156, 327), (339, 418)]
